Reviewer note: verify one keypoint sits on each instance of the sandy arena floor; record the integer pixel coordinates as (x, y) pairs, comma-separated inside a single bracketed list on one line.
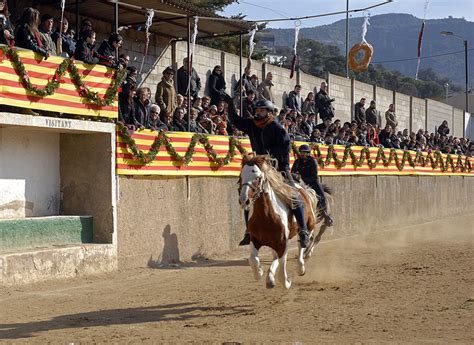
[(410, 286)]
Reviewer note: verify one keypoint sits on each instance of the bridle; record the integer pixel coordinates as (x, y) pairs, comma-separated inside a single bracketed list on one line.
[(257, 190)]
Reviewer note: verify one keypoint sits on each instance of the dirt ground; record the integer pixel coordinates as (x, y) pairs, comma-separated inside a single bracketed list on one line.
[(414, 285)]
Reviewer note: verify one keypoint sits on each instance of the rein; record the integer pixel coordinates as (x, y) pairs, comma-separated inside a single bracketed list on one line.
[(258, 191)]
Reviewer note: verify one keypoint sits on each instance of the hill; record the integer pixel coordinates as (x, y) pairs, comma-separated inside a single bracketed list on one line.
[(395, 37)]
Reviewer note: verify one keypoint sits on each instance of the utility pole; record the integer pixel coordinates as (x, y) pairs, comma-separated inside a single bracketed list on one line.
[(347, 38)]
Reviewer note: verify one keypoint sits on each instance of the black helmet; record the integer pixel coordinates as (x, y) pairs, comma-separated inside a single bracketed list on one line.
[(304, 148), (264, 104)]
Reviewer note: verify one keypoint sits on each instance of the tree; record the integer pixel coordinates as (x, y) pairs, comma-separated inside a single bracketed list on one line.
[(212, 5)]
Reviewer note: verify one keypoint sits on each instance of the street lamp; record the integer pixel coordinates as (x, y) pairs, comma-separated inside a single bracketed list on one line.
[(446, 86), (450, 33)]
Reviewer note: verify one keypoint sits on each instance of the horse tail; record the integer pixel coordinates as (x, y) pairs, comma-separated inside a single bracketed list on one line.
[(327, 189)]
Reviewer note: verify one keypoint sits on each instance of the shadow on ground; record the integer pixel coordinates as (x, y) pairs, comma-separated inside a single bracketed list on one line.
[(161, 313)]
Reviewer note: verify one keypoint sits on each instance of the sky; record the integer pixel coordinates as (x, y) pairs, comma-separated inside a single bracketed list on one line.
[(270, 9)]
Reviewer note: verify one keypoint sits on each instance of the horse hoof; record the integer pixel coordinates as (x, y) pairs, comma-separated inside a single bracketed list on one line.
[(287, 284), (302, 271), (270, 284), (258, 274)]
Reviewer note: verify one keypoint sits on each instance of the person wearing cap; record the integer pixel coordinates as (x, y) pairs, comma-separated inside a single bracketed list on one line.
[(46, 29), (268, 137), (165, 95), (307, 168)]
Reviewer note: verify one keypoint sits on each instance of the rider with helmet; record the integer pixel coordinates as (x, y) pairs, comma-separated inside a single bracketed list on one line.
[(306, 167), (268, 137)]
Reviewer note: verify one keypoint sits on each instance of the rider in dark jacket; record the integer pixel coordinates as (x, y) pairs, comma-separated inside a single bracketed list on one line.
[(306, 167), (268, 137)]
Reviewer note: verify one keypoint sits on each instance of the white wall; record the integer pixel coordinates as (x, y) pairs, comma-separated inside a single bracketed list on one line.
[(29, 173), (469, 130)]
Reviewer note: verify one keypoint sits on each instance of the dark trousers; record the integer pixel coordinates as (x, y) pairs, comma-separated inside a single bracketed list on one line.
[(318, 188)]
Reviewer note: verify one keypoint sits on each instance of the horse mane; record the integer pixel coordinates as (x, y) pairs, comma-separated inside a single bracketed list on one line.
[(287, 194)]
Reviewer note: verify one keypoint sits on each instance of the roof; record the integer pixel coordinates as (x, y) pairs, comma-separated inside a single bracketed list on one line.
[(170, 19)]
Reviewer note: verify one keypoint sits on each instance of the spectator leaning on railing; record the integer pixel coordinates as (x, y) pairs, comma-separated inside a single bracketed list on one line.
[(107, 50), (65, 44), (46, 29), (6, 27), (85, 49), (27, 34)]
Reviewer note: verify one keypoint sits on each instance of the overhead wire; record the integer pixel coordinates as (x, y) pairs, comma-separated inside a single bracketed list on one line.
[(300, 18), (423, 57)]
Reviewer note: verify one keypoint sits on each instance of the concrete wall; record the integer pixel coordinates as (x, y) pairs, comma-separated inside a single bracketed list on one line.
[(437, 113), (60, 166), (383, 99), (29, 173), (86, 180), (458, 122), (282, 83), (402, 110), (363, 90), (161, 221), (418, 114), (309, 83), (340, 88)]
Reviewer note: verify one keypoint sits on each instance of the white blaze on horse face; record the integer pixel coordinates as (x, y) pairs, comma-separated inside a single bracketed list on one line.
[(250, 175)]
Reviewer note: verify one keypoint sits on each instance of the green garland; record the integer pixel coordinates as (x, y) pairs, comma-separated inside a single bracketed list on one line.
[(162, 140), (67, 64), (434, 160)]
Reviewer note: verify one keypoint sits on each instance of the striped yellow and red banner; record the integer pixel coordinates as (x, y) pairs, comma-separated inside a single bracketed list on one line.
[(202, 166), (66, 98)]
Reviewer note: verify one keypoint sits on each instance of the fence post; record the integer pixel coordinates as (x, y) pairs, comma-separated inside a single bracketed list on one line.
[(352, 98)]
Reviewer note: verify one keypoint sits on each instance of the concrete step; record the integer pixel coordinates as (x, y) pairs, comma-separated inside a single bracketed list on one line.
[(58, 262), (44, 231)]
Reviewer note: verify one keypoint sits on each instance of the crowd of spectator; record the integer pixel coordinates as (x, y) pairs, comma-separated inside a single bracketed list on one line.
[(311, 119), (38, 33)]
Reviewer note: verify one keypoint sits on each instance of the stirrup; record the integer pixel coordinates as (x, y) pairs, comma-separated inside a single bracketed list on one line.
[(246, 240), (328, 220), (303, 238)]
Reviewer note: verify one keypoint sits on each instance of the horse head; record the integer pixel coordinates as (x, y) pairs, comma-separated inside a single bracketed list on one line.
[(251, 180)]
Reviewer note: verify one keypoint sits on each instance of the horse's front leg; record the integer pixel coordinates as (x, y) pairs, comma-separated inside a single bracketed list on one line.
[(272, 271), (254, 262)]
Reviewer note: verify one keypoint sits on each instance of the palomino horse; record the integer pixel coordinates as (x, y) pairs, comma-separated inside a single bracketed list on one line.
[(271, 222)]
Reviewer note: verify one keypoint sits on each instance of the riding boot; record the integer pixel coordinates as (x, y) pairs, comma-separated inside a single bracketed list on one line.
[(246, 240), (303, 233), (327, 218)]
